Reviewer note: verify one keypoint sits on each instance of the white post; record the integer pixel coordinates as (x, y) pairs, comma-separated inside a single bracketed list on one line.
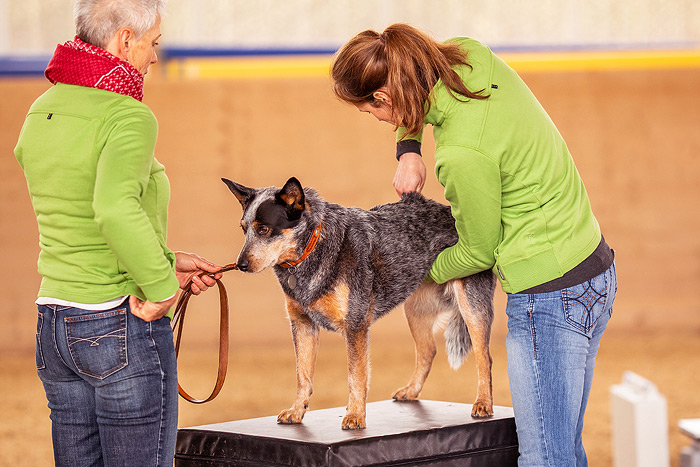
[(639, 423)]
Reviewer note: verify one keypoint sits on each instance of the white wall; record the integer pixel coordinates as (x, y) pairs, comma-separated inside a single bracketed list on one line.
[(30, 27)]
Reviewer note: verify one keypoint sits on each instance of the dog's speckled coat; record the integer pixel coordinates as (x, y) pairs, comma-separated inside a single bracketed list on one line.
[(364, 265)]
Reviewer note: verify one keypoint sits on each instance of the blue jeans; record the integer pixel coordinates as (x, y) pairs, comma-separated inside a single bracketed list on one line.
[(552, 343), (111, 382)]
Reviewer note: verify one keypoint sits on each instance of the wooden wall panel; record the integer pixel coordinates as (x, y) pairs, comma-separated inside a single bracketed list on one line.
[(634, 136)]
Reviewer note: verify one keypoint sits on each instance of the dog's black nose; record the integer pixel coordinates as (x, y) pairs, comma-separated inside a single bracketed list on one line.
[(243, 264)]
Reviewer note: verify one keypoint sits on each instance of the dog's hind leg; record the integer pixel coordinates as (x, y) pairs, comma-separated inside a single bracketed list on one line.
[(421, 310), (306, 340), (478, 317)]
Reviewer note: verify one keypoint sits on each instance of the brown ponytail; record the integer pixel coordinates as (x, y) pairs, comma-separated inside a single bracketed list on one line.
[(405, 60)]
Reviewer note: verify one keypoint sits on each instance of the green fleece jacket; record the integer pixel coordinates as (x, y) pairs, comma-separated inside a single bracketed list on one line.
[(99, 195), (519, 204)]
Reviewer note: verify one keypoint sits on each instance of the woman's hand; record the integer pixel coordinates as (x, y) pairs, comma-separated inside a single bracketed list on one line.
[(189, 266), (410, 174), (150, 311)]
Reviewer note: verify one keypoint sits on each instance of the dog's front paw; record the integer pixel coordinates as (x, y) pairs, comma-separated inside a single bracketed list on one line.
[(482, 409), (290, 416), (353, 422), (406, 393)]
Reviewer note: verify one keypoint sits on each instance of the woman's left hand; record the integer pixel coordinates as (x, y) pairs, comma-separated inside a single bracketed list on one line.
[(410, 174), (189, 267)]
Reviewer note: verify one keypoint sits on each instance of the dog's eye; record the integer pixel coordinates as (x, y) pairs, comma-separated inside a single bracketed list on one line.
[(263, 230)]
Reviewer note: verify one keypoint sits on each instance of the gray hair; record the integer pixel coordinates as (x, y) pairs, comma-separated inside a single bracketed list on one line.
[(97, 21)]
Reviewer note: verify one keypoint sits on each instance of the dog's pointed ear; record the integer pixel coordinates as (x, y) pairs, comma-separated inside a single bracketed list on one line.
[(292, 197), (242, 193)]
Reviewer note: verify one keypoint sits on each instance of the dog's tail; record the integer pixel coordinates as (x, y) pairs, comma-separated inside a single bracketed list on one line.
[(457, 340)]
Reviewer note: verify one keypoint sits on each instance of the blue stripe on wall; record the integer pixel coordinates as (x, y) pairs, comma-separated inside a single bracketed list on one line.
[(35, 65)]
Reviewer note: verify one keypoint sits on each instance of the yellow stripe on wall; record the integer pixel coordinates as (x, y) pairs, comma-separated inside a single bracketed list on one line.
[(299, 66), (596, 61), (523, 62)]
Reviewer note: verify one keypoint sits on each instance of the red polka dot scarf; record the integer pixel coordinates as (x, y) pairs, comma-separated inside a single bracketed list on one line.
[(77, 62)]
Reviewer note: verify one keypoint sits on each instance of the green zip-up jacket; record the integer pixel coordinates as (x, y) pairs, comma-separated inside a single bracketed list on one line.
[(519, 204), (99, 195)]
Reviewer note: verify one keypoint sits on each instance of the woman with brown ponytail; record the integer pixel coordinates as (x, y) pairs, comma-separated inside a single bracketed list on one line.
[(520, 209)]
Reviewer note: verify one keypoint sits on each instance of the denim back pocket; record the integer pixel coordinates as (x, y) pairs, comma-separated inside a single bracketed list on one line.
[(39, 354), (97, 342), (585, 303)]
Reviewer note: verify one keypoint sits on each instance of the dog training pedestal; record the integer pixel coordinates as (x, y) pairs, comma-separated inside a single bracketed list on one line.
[(424, 433)]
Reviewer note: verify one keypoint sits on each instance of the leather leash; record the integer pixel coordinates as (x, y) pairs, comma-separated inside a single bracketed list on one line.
[(178, 323)]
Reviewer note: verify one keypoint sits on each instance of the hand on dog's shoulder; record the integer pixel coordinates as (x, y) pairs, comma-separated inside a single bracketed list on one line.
[(413, 199)]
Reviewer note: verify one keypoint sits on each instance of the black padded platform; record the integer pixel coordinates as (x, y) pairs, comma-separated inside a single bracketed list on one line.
[(423, 433)]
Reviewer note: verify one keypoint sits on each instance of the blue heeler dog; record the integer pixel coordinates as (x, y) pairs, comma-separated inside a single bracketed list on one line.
[(342, 268)]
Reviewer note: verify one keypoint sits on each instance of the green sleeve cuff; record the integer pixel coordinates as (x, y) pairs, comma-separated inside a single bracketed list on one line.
[(401, 135), (162, 289)]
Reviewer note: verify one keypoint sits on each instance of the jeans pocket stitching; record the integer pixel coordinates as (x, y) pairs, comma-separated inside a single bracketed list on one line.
[(39, 357), (120, 334), (588, 299)]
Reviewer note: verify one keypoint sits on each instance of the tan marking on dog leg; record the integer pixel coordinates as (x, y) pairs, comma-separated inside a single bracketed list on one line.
[(421, 312), (334, 305), (358, 378), (480, 334), (306, 340)]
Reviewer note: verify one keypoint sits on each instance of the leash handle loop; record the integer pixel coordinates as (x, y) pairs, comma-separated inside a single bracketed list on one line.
[(178, 324)]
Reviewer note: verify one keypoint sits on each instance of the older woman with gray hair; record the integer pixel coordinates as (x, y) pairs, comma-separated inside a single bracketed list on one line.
[(104, 349)]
